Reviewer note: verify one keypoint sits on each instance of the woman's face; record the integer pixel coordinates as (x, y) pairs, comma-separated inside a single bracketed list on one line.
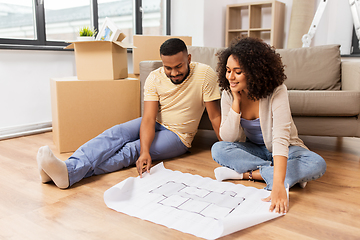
[(235, 75)]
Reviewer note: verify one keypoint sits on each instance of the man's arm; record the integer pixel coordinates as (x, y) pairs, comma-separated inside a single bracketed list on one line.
[(147, 133), (213, 110)]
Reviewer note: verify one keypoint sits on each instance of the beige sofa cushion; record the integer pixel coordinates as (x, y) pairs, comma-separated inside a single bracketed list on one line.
[(312, 68), (324, 103), (204, 55)]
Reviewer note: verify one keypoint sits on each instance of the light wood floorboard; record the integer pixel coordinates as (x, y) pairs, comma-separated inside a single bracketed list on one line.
[(328, 208)]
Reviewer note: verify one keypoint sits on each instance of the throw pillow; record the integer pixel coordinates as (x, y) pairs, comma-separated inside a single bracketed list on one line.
[(312, 68)]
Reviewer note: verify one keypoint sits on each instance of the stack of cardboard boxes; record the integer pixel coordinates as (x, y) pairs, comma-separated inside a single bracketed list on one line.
[(100, 97)]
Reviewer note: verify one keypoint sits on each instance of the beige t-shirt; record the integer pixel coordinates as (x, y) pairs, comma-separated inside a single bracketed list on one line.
[(182, 105)]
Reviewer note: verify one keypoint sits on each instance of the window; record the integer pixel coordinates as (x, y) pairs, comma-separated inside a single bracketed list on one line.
[(64, 18), (38, 24), (120, 12), (153, 17), (17, 20)]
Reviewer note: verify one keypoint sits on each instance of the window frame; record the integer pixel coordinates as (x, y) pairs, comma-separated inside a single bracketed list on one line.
[(40, 43)]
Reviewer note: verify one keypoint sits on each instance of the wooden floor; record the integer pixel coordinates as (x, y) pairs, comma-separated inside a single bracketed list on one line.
[(328, 208)]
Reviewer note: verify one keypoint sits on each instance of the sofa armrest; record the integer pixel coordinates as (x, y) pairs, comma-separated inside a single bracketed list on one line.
[(350, 75), (146, 67)]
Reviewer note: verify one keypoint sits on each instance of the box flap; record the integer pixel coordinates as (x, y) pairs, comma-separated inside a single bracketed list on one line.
[(121, 37), (70, 46)]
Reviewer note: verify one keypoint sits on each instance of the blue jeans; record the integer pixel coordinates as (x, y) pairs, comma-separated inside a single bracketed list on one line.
[(302, 166), (119, 147)]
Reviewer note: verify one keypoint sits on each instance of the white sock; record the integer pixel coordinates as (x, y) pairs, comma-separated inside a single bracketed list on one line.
[(43, 176), (303, 184), (53, 167), (223, 173)]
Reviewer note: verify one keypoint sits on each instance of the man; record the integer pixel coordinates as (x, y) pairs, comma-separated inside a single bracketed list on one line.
[(175, 96)]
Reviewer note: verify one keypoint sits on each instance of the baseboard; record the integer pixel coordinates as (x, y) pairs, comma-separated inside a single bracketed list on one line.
[(24, 130)]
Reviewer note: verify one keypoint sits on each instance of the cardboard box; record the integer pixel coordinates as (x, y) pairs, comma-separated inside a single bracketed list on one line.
[(148, 48), (101, 60), (82, 110)]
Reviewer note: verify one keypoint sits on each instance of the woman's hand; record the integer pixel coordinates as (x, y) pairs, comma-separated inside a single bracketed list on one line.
[(278, 196), (279, 199), (236, 102), (236, 95)]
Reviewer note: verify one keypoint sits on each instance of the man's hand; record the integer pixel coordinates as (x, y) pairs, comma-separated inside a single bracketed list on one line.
[(143, 163), (279, 200)]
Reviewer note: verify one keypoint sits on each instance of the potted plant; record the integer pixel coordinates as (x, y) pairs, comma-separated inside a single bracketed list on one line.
[(86, 34)]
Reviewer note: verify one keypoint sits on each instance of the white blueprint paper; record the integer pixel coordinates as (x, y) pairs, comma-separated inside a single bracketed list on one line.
[(189, 203)]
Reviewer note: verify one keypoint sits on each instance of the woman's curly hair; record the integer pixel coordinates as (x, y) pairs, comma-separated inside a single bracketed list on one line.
[(262, 66)]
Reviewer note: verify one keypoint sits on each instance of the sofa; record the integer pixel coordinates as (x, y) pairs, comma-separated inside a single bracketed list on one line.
[(323, 88)]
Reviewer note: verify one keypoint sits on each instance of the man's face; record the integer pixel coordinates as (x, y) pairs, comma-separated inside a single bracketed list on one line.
[(177, 66)]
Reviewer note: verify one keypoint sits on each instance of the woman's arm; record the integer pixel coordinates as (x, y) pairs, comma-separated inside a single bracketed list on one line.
[(278, 196), (230, 129), (281, 116)]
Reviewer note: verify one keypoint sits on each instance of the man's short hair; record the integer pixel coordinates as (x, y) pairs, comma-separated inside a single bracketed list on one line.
[(172, 46)]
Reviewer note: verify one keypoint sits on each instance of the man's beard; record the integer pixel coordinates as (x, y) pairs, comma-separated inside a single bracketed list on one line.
[(185, 76)]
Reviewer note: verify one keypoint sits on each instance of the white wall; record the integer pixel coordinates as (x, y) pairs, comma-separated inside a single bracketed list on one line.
[(25, 84)]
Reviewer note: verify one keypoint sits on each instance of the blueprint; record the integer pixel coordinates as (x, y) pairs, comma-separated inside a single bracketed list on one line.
[(190, 203), (207, 203)]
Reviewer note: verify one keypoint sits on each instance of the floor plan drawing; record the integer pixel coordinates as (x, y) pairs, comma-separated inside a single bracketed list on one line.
[(193, 204), (205, 202)]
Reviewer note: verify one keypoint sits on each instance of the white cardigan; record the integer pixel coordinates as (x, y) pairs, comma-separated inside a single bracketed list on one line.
[(277, 125)]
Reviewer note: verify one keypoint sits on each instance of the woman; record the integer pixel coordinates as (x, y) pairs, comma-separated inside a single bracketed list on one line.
[(260, 140)]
